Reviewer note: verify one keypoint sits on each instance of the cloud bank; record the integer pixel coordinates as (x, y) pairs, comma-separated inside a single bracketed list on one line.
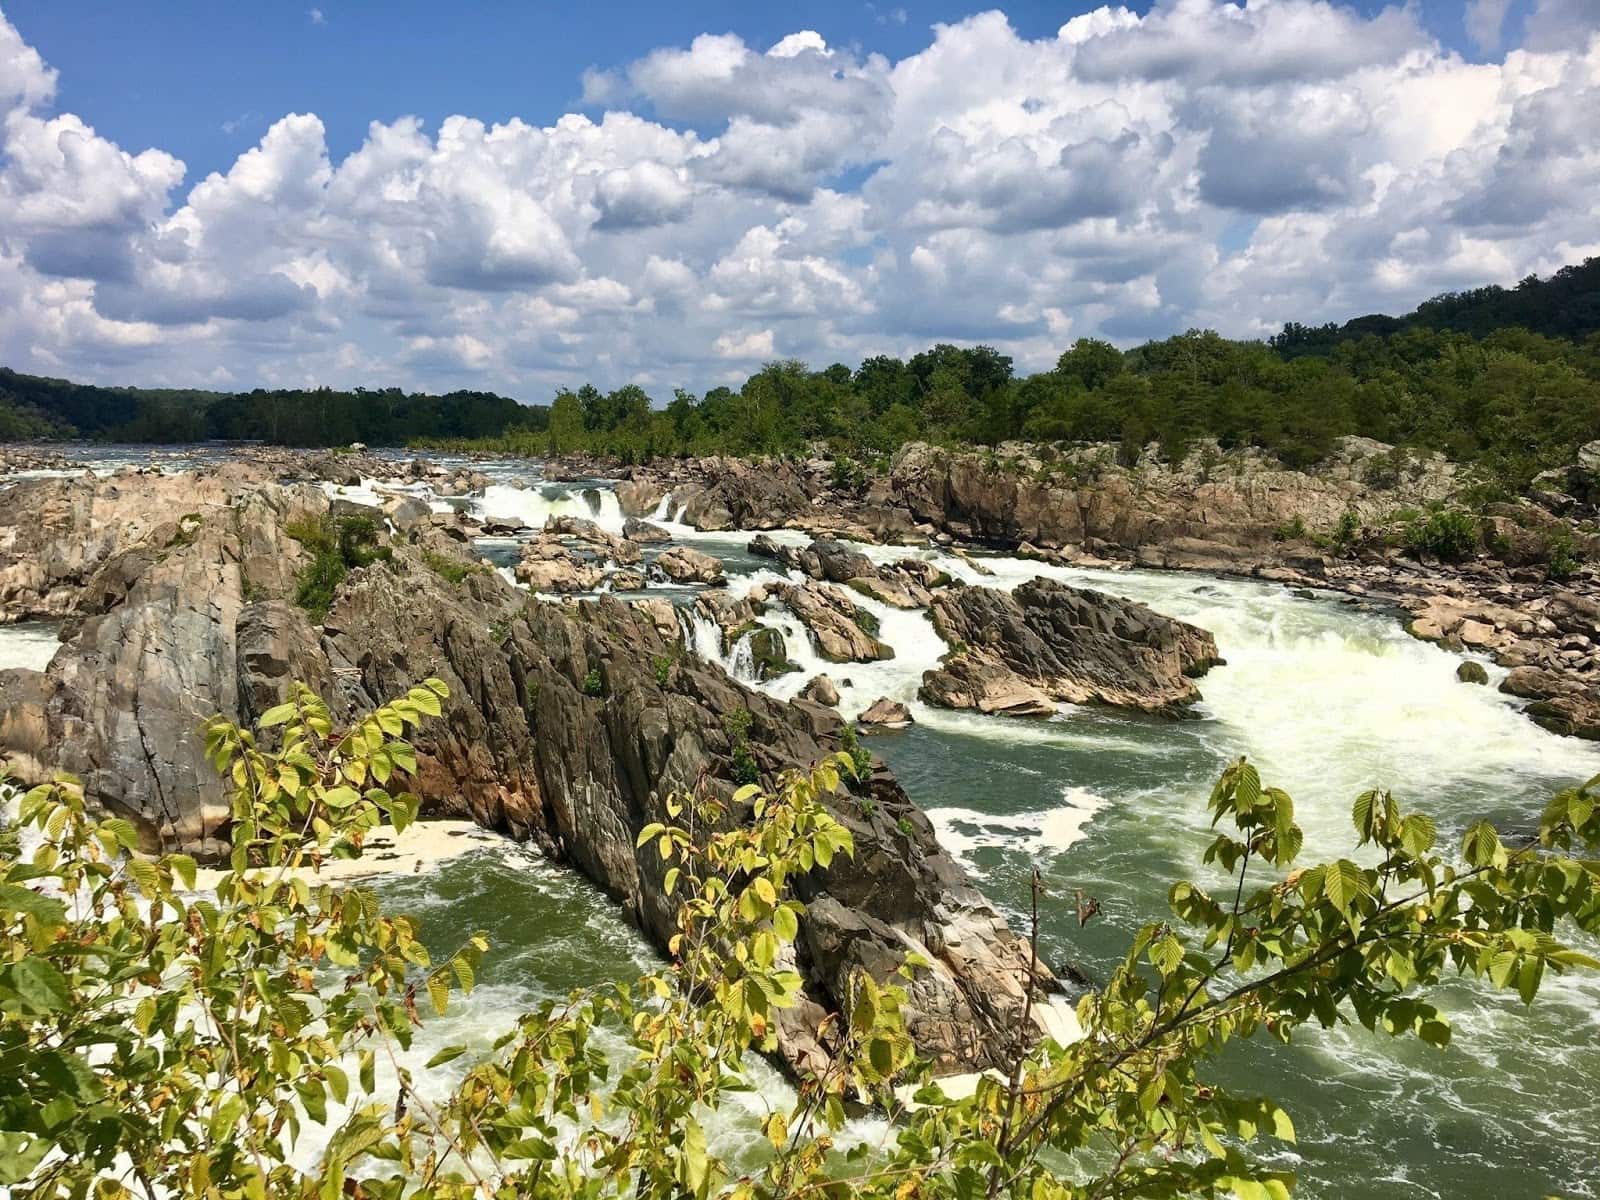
[(1207, 164)]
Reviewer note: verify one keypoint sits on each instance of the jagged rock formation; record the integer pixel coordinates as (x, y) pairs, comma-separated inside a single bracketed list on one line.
[(193, 618), (1015, 654), (832, 561), (841, 630)]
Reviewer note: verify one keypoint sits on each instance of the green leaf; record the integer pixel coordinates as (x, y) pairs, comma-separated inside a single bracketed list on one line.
[(448, 1054), (694, 1156), (1480, 845), (30, 903), (38, 985), (1343, 884), (1417, 834), (784, 923), (313, 1099), (278, 714), (1362, 815), (184, 868), (439, 991)]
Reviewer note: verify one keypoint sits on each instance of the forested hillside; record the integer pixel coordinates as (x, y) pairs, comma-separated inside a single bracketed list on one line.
[(36, 407), (1505, 378)]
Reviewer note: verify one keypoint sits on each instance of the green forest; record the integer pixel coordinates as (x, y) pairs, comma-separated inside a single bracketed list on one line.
[(1507, 378)]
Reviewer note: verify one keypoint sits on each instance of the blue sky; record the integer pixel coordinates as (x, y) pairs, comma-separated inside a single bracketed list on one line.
[(237, 194), (204, 80)]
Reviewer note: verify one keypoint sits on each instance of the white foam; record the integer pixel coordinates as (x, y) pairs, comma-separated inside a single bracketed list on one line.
[(30, 645)]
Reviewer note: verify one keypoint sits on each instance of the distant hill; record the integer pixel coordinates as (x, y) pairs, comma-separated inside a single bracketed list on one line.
[(1567, 305)]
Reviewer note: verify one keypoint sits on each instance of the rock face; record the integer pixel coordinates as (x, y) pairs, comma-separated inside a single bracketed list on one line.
[(158, 650), (522, 745), (1014, 654), (682, 564)]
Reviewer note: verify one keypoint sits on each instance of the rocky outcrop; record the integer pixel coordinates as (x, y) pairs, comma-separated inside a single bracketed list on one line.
[(1014, 654), (840, 630), (587, 533), (834, 562), (1233, 500), (1559, 703), (548, 566), (157, 650), (525, 743), (720, 493), (57, 534), (683, 564)]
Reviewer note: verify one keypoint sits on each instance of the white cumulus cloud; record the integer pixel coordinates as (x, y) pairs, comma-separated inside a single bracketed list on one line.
[(1203, 163)]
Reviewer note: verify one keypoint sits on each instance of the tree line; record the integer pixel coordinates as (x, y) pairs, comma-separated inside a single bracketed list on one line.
[(1505, 378)]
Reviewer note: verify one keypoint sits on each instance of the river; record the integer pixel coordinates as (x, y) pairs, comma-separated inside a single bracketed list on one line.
[(1327, 699)]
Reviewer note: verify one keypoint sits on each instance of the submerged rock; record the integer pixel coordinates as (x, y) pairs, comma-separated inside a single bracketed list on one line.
[(1472, 672), (1015, 654)]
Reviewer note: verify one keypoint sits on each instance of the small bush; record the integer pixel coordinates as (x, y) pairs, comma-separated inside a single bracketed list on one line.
[(1563, 564), (745, 768), (867, 621), (1290, 531), (663, 668), (905, 826), (592, 683), (1447, 533), (336, 547), (860, 756), (451, 570)]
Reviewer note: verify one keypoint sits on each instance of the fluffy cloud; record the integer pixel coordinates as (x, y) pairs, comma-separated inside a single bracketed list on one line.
[(1206, 163)]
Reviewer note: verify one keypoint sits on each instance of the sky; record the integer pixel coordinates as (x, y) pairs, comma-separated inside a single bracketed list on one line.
[(521, 197)]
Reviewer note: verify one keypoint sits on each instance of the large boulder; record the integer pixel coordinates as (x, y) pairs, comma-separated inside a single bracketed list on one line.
[(1560, 703), (1014, 653), (684, 564), (644, 532)]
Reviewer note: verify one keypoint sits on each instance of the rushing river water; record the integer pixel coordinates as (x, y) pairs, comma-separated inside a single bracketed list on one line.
[(1325, 698)]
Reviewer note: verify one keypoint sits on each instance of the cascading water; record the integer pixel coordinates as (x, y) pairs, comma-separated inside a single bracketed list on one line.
[(532, 506), (1325, 699)]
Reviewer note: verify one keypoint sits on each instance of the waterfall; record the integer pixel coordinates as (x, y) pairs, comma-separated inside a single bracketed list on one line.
[(741, 662)]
